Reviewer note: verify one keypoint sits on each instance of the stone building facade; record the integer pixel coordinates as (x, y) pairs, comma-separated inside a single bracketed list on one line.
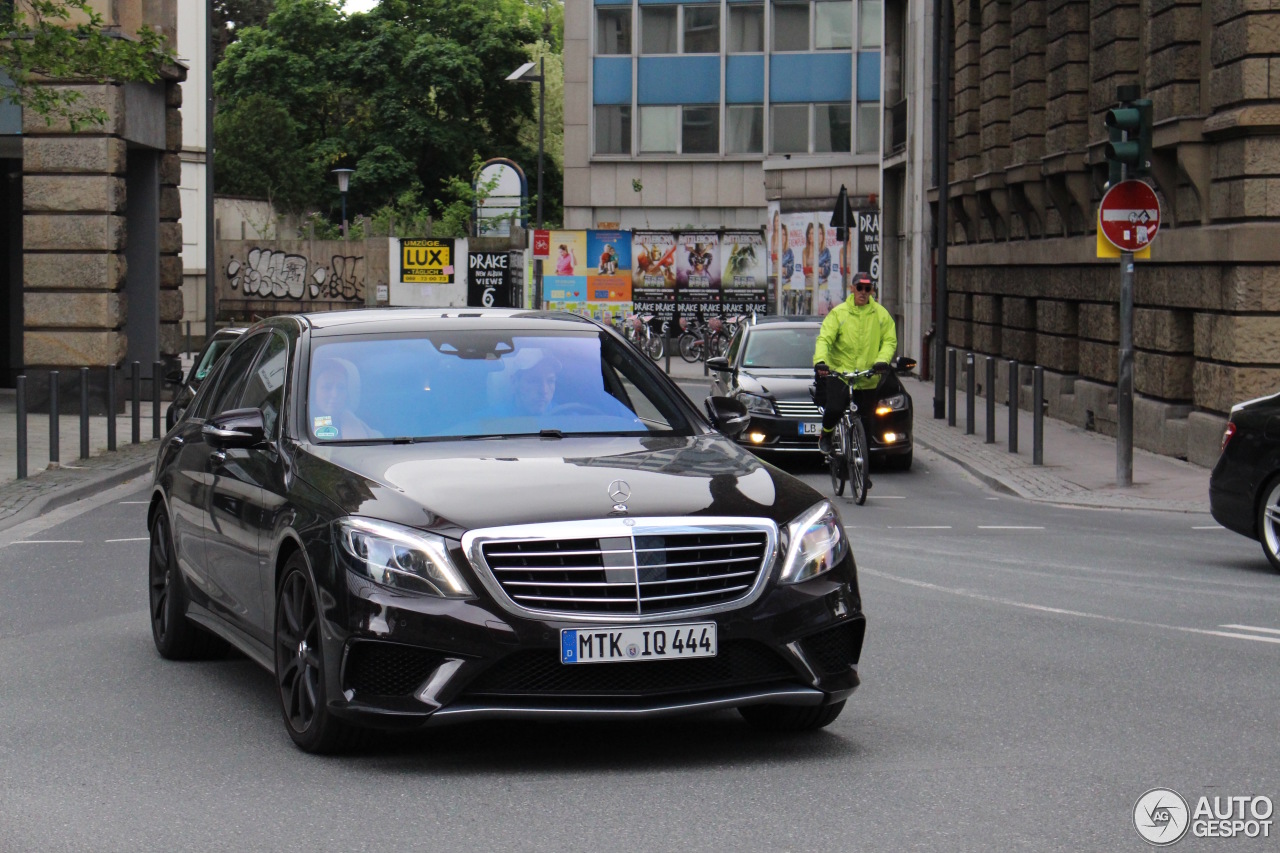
[(1032, 80), (90, 266)]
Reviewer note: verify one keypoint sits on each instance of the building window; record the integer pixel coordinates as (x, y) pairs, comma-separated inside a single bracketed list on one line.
[(746, 29), (613, 130), (790, 26), (659, 130), (658, 31), (833, 25), (744, 130), (832, 128), (701, 29), (700, 130), (869, 12), (613, 32), (790, 129), (869, 127)]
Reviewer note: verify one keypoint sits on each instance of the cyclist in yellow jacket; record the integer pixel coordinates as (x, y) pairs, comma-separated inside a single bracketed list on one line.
[(855, 335)]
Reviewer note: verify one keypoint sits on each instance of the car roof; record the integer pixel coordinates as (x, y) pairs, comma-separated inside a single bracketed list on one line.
[(394, 320)]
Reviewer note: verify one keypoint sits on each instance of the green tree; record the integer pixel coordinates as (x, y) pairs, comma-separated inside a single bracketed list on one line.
[(66, 40)]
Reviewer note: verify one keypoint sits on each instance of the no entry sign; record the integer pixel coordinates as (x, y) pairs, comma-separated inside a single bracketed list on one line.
[(1129, 216)]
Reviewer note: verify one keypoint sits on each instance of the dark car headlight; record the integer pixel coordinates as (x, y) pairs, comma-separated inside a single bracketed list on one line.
[(757, 403), (896, 403), (401, 557), (815, 544)]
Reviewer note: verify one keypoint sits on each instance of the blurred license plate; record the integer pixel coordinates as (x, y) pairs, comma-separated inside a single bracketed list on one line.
[(810, 428), (653, 642)]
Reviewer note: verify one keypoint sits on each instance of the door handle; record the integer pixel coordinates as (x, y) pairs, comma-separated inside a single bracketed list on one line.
[(217, 457)]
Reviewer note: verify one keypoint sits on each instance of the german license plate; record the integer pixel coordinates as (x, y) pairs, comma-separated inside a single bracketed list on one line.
[(810, 428), (652, 642)]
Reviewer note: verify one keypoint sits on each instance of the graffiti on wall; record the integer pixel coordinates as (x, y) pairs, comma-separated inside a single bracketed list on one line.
[(272, 274)]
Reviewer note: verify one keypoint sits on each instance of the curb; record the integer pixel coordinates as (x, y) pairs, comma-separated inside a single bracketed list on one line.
[(71, 493)]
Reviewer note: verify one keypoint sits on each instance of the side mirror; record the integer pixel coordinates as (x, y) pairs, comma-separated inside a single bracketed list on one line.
[(235, 428), (173, 377), (903, 364), (727, 415), (719, 363)]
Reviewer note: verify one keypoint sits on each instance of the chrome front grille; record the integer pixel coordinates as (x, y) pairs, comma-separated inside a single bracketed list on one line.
[(654, 567), (798, 409)]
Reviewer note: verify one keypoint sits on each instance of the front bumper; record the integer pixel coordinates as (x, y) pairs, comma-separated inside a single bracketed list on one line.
[(776, 434), (410, 661)]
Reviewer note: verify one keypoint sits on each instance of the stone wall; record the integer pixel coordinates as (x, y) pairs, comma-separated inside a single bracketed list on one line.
[(1033, 80)]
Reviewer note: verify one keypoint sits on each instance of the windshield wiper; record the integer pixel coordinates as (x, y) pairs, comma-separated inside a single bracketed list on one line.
[(550, 433)]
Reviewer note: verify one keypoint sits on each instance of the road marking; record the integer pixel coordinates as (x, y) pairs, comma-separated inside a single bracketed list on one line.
[(1209, 527), (135, 502), (918, 527), (887, 497), (1009, 602), (48, 542), (134, 539), (1251, 628), (1007, 527)]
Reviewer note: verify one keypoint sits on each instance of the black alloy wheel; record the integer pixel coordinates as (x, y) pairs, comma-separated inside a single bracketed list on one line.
[(300, 674), (176, 638), (1269, 522)]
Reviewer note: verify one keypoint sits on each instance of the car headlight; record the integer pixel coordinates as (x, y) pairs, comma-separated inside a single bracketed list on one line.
[(815, 544), (401, 557), (756, 403), (896, 403)]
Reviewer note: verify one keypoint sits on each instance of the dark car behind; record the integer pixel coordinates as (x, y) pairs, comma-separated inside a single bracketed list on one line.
[(1244, 487), (203, 364)]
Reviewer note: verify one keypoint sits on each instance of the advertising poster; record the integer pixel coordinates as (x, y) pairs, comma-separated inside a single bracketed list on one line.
[(772, 236), (608, 271), (564, 268), (829, 266), (743, 280), (868, 242), (698, 273), (796, 263), (653, 276), (427, 261), (488, 280)]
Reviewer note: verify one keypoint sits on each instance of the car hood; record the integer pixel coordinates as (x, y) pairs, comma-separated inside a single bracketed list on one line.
[(455, 486), (779, 383)]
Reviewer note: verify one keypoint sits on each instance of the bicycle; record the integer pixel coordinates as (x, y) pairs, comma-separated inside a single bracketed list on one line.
[(849, 458), (702, 338)]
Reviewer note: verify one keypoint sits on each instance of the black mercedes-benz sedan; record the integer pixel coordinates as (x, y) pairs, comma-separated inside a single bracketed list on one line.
[(1244, 487), (768, 367), (417, 516)]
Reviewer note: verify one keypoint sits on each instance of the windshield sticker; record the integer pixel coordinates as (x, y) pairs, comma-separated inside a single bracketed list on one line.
[(323, 420), (327, 432)]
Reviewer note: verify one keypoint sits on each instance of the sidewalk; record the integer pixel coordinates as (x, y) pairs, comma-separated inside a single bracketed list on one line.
[(1079, 467)]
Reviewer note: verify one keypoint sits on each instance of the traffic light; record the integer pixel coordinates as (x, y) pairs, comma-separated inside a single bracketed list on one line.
[(1129, 127)]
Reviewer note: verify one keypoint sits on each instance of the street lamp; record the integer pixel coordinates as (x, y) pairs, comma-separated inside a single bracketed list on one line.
[(344, 181), (522, 75)]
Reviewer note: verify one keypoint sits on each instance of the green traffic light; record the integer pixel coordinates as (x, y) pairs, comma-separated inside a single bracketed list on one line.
[(1129, 127), (1127, 119), (1124, 152)]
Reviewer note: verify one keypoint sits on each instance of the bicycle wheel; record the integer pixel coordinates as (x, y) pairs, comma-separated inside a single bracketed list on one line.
[(717, 343), (653, 347), (858, 462), (690, 348), (836, 463)]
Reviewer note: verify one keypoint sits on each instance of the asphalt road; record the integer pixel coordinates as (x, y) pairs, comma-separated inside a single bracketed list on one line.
[(1029, 672)]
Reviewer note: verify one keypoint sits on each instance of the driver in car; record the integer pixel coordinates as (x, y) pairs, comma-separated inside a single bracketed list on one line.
[(857, 334), (535, 387)]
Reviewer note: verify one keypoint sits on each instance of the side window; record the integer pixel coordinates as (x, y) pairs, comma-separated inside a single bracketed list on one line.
[(736, 344), (229, 380), (264, 386)]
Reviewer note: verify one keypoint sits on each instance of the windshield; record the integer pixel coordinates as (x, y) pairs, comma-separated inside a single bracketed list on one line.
[(785, 347), (210, 358), (473, 383)]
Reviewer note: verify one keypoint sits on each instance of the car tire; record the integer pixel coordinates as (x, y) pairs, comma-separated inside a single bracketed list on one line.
[(1269, 522), (791, 718), (300, 665), (175, 636)]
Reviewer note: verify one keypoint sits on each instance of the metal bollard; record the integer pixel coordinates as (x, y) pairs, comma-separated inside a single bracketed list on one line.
[(1013, 405), (135, 371), (157, 385), (666, 348), (53, 419), (188, 337), (951, 386), (1037, 415), (991, 399), (20, 392), (111, 407), (84, 413), (969, 393)]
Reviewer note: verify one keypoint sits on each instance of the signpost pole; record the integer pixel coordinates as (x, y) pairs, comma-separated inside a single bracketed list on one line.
[(1124, 383)]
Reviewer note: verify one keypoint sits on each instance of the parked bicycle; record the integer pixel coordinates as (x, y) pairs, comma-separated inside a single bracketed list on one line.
[(702, 339), (849, 457)]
